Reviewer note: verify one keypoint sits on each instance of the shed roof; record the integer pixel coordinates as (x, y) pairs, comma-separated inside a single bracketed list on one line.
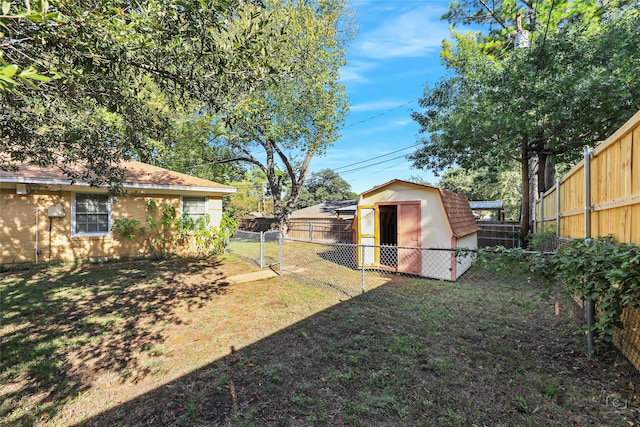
[(456, 206), (459, 213), (137, 175), (326, 209), (486, 204)]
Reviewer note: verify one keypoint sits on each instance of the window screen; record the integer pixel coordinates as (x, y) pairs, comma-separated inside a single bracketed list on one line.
[(91, 213), (195, 208)]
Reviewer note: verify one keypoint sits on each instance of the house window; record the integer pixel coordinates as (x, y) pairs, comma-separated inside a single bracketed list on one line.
[(194, 210), (91, 214)]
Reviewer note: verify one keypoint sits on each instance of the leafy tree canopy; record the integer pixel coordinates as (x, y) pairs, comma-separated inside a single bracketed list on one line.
[(486, 184), (281, 126), (569, 89), (323, 186), (79, 79)]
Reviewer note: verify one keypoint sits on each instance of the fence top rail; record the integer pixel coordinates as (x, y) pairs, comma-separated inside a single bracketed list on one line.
[(602, 146), (623, 130)]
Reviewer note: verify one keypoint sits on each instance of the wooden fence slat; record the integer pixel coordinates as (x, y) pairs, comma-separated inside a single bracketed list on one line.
[(615, 197)]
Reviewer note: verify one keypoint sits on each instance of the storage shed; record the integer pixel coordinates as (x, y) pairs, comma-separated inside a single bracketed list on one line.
[(415, 229)]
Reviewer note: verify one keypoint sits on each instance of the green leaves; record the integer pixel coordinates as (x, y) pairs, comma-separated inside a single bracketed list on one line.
[(599, 270), (603, 271)]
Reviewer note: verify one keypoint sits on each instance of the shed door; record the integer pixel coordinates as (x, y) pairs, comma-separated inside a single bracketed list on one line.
[(409, 236), (368, 237)]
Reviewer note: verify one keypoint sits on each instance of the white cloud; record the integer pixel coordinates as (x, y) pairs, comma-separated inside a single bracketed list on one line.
[(414, 33), (376, 105), (355, 71)]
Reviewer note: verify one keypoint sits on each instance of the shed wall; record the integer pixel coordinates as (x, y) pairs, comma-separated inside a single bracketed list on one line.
[(435, 230)]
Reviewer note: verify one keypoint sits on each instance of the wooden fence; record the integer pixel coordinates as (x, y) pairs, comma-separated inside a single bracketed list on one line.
[(312, 229), (598, 197), (499, 233)]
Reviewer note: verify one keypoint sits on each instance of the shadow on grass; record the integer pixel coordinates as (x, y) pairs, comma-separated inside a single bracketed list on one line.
[(433, 353), (63, 323)]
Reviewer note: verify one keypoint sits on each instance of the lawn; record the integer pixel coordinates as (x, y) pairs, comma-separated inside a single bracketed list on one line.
[(174, 343)]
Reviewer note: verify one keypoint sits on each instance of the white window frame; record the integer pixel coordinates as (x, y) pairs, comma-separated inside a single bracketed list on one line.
[(200, 215), (74, 213)]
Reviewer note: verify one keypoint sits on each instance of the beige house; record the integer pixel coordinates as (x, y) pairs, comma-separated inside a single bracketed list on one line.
[(45, 216), (415, 229)]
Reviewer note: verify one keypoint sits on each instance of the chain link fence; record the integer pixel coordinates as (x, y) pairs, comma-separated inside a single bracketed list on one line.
[(354, 270), (264, 248), (340, 266)]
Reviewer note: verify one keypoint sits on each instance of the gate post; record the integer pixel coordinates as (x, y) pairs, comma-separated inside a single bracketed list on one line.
[(362, 278), (262, 249)]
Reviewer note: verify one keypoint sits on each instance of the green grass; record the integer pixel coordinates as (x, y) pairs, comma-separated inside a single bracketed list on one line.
[(415, 352)]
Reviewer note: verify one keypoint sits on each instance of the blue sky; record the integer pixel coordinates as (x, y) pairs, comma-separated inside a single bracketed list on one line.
[(396, 53)]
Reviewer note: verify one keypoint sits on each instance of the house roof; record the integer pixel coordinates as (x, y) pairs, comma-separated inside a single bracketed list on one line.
[(456, 206), (138, 175), (484, 204), (327, 209)]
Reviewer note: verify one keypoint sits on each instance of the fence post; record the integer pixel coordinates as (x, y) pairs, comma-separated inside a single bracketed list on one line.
[(590, 304), (362, 279), (558, 201), (262, 249), (541, 212), (281, 240)]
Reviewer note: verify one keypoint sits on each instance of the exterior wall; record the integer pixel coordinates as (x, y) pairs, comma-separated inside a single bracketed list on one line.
[(214, 208), (437, 264), (18, 226), (463, 263), (435, 231)]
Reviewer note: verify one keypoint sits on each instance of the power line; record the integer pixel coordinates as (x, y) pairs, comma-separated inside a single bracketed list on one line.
[(381, 114), (372, 164), (377, 157)]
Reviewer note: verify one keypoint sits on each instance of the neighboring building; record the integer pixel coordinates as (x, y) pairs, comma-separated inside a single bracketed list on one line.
[(46, 216), (342, 209), (413, 228), (487, 210), (329, 221)]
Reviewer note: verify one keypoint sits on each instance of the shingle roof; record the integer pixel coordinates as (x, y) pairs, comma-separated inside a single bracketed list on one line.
[(456, 206), (459, 213), (137, 175), (325, 210)]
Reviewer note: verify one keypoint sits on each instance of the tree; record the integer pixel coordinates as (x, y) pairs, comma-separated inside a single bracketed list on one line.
[(567, 91), (79, 78), (251, 195), (187, 143), (486, 183), (281, 127), (323, 186)]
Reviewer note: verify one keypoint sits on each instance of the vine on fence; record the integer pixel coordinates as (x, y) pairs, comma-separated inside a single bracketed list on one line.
[(167, 233), (599, 270), (603, 271)]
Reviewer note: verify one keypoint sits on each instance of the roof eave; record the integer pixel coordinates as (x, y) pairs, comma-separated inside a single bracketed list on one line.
[(65, 182)]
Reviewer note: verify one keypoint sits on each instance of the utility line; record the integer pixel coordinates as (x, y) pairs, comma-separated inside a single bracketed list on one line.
[(374, 158), (381, 114), (372, 164)]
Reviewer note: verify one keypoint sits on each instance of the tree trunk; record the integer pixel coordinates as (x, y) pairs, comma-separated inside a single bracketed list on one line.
[(550, 173), (542, 167)]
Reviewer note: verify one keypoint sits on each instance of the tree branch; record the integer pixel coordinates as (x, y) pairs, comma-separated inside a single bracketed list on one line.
[(493, 14)]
